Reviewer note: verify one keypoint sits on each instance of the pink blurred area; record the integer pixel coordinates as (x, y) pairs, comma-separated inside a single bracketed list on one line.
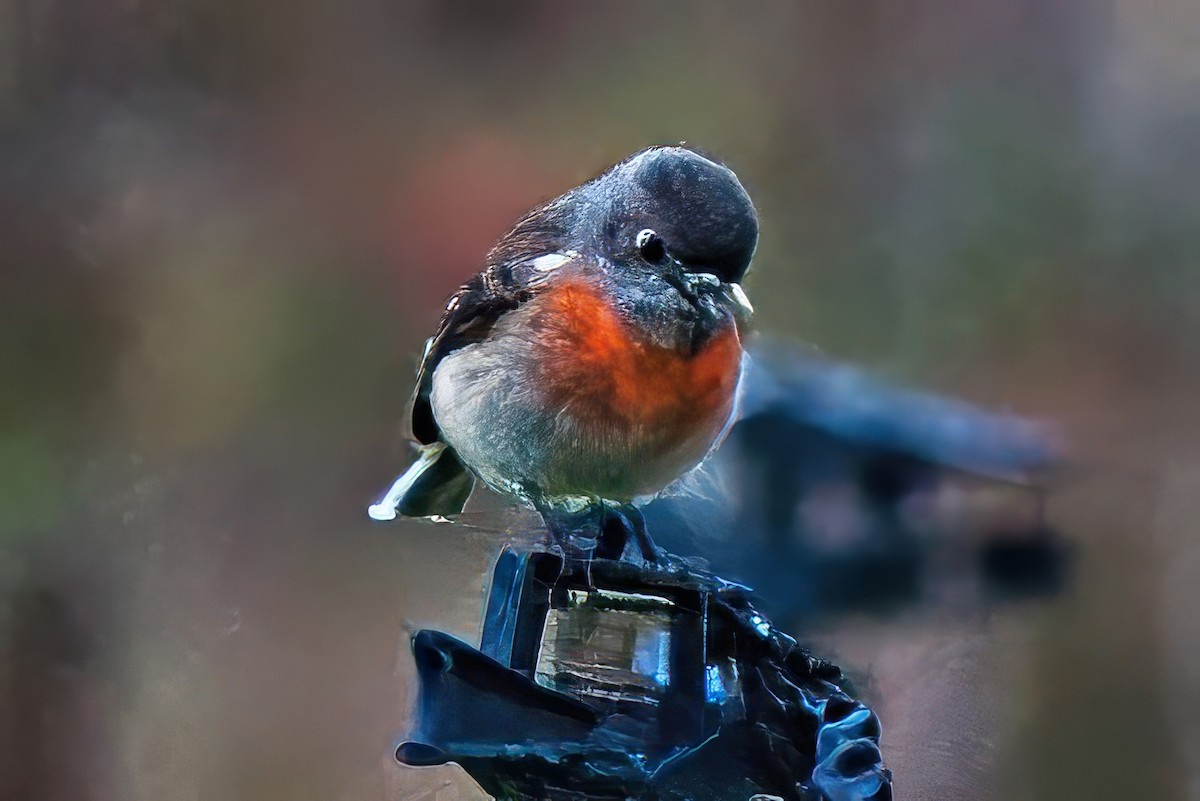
[(228, 227)]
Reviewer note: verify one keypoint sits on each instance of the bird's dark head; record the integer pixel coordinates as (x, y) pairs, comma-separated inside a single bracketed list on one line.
[(672, 206), (666, 209)]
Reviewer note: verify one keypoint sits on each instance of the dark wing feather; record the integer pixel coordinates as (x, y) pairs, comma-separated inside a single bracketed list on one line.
[(470, 315), (474, 309)]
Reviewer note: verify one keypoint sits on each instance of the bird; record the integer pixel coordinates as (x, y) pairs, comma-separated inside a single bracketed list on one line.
[(597, 356)]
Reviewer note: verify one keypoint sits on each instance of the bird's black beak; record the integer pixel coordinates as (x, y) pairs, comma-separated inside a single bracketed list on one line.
[(695, 284)]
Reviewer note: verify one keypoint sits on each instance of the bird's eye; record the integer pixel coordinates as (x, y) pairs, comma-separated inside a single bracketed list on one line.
[(651, 246)]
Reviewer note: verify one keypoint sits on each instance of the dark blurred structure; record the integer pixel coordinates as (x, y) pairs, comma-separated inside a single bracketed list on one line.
[(830, 491), (227, 227)]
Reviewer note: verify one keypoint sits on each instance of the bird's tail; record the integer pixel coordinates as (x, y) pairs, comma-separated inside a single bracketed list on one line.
[(437, 484)]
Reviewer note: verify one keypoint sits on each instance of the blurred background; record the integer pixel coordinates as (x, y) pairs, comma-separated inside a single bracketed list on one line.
[(228, 226)]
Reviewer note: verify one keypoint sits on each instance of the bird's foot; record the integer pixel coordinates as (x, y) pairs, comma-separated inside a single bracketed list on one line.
[(623, 531), (603, 531)]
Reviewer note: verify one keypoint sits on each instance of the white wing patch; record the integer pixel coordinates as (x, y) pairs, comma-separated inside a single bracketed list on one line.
[(551, 261)]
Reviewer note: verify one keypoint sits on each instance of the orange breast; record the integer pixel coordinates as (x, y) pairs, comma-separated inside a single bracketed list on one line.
[(594, 365)]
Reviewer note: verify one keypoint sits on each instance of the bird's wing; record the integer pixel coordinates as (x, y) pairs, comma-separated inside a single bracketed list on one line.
[(470, 314)]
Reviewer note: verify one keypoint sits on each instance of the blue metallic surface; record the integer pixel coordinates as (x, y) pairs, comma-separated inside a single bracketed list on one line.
[(740, 708)]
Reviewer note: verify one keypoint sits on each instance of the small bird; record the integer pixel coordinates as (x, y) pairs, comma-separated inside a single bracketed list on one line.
[(596, 358)]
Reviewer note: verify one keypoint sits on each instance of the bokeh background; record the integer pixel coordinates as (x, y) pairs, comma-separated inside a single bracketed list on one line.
[(227, 226)]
